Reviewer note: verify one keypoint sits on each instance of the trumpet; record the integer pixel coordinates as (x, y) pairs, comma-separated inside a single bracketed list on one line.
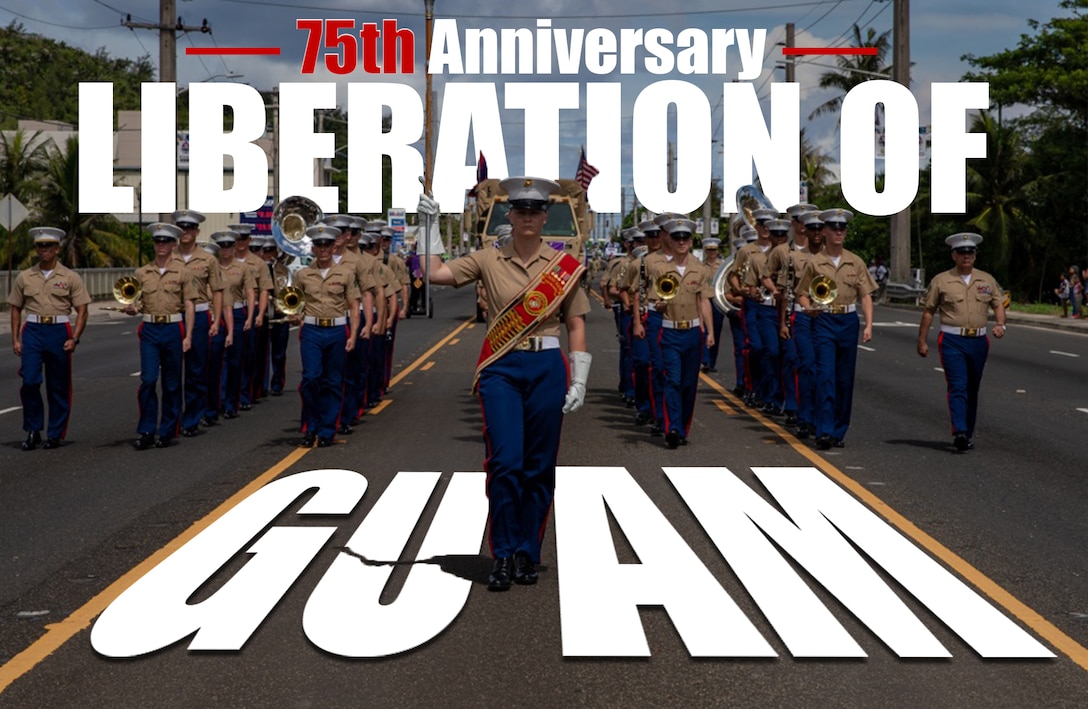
[(666, 286), (823, 290)]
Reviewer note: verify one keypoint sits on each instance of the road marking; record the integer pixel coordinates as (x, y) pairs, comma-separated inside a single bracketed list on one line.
[(938, 369), (56, 634), (1064, 354), (1084, 410), (454, 341), (13, 408), (135, 374), (379, 407), (427, 366), (1042, 627), (725, 408), (867, 349)]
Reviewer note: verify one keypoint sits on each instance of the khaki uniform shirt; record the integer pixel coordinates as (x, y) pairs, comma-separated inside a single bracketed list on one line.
[(238, 278), (328, 296), (694, 282), (165, 293), (504, 276), (757, 260), (366, 274), (637, 279), (851, 276), (260, 272), (800, 257), (56, 295), (960, 304), (400, 269), (205, 268), (612, 271)]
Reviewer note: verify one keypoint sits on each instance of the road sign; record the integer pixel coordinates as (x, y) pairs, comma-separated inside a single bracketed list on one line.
[(12, 212)]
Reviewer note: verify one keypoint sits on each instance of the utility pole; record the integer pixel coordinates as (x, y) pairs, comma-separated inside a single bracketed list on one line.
[(168, 27), (791, 68), (900, 223)]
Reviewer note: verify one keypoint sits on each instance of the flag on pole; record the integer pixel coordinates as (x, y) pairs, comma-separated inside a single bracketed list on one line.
[(481, 173), (586, 172)]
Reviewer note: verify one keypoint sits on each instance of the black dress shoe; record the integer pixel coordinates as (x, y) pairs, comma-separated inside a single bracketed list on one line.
[(672, 439), (33, 440), (164, 442), (770, 410), (190, 432), (657, 430), (738, 392), (804, 430), (324, 442), (245, 407), (642, 418), (307, 441), (499, 580), (524, 569), (791, 418), (344, 430), (277, 392), (145, 441), (823, 442), (838, 443), (51, 443), (230, 415), (208, 422), (959, 441)]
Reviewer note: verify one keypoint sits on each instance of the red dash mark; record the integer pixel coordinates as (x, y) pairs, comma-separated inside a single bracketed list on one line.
[(231, 50), (854, 51)]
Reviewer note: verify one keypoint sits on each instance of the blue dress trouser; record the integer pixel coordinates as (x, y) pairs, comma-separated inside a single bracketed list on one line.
[(736, 329), (710, 359), (216, 355), (835, 342), (657, 365), (805, 367), (322, 386), (627, 353), (753, 347), (522, 395), (354, 380), (160, 353), (640, 371), (963, 359), (767, 324), (43, 351), (278, 335), (625, 357), (196, 370), (249, 360), (681, 355), (233, 361)]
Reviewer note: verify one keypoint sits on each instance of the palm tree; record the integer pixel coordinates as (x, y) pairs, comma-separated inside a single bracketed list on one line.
[(998, 190), (22, 162), (815, 169), (854, 70), (94, 240)]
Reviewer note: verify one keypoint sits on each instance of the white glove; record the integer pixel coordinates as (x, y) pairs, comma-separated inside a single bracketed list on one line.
[(429, 210), (579, 368)]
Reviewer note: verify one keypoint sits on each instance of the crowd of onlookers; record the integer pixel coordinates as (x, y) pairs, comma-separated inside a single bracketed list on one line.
[(1070, 290)]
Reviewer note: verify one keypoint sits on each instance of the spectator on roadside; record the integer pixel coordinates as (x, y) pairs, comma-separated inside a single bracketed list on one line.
[(1076, 292), (1064, 291), (879, 272)]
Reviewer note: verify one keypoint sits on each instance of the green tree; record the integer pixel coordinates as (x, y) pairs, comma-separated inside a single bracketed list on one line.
[(856, 69), (94, 240), (815, 170)]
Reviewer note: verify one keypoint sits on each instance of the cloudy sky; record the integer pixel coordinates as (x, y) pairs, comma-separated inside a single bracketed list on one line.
[(941, 32)]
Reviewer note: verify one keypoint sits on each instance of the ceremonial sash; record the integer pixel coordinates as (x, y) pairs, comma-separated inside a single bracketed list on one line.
[(528, 309)]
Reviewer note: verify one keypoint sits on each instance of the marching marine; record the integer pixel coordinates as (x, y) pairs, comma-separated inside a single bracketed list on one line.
[(47, 292), (963, 296)]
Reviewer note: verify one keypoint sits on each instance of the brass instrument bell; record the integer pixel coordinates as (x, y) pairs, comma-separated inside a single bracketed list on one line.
[(823, 290), (666, 286), (290, 300), (126, 290)]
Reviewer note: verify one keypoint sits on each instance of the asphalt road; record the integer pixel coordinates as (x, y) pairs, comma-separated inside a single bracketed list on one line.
[(1007, 518)]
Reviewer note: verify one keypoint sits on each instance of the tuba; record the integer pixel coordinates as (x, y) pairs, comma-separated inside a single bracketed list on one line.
[(720, 282), (823, 290), (666, 286), (749, 199), (126, 290), (290, 220)]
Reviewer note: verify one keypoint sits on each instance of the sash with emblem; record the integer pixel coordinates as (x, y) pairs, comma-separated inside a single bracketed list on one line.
[(528, 309)]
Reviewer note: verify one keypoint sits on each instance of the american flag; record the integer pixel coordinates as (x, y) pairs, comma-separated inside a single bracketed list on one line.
[(586, 172), (481, 173)]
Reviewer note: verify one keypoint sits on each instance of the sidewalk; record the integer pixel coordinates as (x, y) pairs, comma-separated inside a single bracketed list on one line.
[(96, 315), (1054, 322)]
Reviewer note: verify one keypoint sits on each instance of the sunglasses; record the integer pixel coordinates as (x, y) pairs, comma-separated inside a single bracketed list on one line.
[(966, 251), (268, 248), (836, 226), (680, 237)]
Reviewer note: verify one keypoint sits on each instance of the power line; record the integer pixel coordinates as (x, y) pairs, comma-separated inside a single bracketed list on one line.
[(401, 12), (55, 24)]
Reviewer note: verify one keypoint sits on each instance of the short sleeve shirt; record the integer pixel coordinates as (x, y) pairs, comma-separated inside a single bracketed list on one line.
[(165, 293), (694, 283), (239, 279), (963, 304), (55, 295), (329, 295), (504, 276), (851, 276), (205, 269)]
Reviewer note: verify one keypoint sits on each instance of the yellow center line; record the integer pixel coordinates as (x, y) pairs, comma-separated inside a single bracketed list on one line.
[(59, 633), (1043, 627)]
